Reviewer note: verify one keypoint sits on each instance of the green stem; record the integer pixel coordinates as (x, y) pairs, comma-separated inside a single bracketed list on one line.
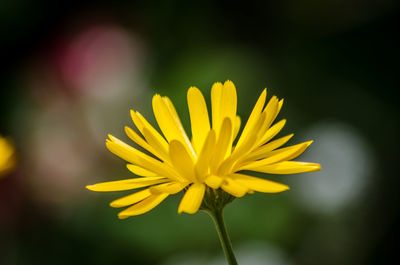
[(218, 218)]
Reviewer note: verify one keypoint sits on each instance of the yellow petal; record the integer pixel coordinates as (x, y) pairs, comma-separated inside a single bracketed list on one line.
[(289, 152), (258, 184), (240, 152), (181, 160), (216, 95), (150, 146), (141, 123), (289, 167), (214, 181), (159, 149), (171, 107), (202, 163), (224, 140), (199, 120), (140, 171), (136, 157), (254, 117), (227, 165), (143, 206), (262, 151), (170, 123), (271, 110), (224, 105), (170, 188), (126, 184), (131, 199), (271, 132), (248, 141), (234, 188), (236, 127), (137, 139), (278, 155), (136, 120), (192, 199), (228, 103), (280, 104)]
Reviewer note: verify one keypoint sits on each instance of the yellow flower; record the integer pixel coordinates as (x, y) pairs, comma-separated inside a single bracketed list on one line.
[(210, 160), (7, 156)]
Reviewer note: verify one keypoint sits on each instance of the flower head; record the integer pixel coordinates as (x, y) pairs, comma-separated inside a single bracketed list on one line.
[(213, 158), (7, 156)]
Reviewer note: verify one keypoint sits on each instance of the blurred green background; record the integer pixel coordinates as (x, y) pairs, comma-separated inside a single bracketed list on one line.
[(71, 71)]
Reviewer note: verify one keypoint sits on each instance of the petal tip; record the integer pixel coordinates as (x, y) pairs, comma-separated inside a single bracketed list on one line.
[(156, 97), (186, 211), (111, 137), (228, 82), (114, 205), (192, 89), (217, 84), (123, 216), (308, 143), (90, 187), (109, 144)]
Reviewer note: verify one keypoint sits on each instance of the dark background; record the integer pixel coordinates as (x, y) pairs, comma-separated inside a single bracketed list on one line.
[(70, 72)]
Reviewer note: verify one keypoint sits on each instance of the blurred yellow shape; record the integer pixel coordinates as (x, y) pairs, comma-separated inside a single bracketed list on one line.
[(7, 156)]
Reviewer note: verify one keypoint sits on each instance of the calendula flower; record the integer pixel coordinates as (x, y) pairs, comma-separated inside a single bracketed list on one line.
[(212, 161), (7, 156)]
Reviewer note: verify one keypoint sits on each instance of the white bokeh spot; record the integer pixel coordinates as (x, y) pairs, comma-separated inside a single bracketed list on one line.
[(347, 164)]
